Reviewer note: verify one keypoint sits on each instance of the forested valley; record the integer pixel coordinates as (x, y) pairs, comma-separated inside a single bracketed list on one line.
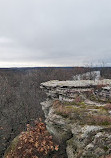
[(20, 96)]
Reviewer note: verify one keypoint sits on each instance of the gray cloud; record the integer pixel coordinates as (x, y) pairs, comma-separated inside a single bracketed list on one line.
[(55, 32)]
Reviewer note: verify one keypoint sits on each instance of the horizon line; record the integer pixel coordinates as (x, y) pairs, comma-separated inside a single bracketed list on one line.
[(15, 67)]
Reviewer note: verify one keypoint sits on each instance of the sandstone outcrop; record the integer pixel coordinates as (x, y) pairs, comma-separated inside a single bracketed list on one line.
[(78, 114)]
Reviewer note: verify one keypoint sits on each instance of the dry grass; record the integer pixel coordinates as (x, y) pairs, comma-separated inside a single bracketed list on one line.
[(81, 112), (99, 120), (69, 111), (108, 156), (64, 111), (61, 109), (107, 107)]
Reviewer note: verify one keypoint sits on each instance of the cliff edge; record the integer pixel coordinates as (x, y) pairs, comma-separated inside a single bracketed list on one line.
[(78, 114)]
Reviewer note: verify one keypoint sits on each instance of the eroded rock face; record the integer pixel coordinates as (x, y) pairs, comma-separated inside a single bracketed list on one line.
[(74, 118)]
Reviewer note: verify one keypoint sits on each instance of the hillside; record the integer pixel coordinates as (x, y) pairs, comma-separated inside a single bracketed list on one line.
[(21, 97), (77, 115)]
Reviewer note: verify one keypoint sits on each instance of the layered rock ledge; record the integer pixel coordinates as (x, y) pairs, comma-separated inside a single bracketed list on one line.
[(78, 114)]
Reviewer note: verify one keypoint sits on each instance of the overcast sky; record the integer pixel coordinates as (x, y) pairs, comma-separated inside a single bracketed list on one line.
[(55, 32)]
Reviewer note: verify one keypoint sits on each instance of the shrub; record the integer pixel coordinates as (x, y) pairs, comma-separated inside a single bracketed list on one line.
[(36, 142)]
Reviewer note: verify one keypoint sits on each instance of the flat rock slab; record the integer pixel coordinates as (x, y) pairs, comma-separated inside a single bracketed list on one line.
[(81, 83)]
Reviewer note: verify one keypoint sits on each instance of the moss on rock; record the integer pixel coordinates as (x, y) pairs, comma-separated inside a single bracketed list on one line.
[(12, 147)]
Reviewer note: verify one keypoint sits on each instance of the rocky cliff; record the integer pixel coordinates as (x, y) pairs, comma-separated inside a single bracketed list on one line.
[(78, 114)]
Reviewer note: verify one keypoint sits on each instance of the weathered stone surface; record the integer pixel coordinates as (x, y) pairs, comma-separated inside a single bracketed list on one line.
[(81, 83), (83, 140), (68, 90)]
